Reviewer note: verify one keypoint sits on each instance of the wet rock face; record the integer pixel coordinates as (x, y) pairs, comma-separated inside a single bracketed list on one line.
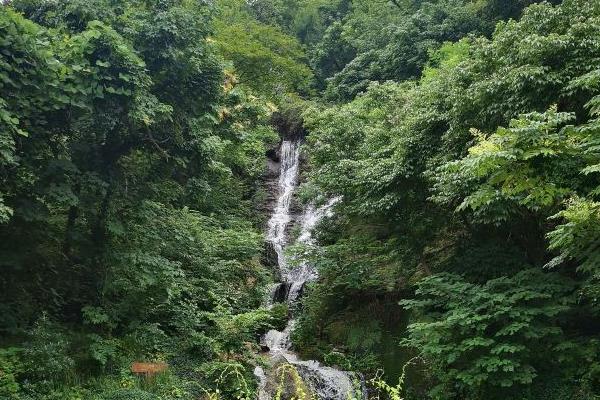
[(289, 124), (273, 165), (281, 292), (274, 156), (269, 255), (269, 183), (327, 383)]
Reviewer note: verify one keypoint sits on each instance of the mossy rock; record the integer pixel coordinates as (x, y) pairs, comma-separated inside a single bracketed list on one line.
[(285, 380)]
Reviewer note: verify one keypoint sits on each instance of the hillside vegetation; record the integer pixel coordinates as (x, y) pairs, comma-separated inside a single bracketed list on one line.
[(461, 136)]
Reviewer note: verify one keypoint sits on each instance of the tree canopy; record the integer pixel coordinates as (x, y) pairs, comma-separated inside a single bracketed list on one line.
[(460, 137)]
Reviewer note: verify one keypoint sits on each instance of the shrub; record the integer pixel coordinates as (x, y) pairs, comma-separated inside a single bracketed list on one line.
[(130, 394), (10, 367), (489, 340)]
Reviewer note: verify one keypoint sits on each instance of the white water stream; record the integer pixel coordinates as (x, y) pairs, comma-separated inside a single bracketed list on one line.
[(326, 382)]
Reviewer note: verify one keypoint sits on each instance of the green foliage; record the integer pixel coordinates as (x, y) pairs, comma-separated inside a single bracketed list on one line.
[(346, 315), (30, 77), (393, 40), (11, 366), (273, 12), (130, 394), (528, 165), (394, 392), (447, 57), (493, 335), (462, 186), (575, 239), (129, 164), (230, 380), (332, 52), (465, 158), (47, 353), (238, 330), (264, 57), (344, 141)]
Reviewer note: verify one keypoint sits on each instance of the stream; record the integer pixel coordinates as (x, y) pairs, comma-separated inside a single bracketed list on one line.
[(326, 382)]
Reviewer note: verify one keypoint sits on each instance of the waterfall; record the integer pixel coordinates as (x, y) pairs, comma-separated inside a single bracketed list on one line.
[(288, 180), (327, 383)]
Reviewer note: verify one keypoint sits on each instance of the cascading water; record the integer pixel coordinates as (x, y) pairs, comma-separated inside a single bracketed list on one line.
[(327, 383), (288, 179)]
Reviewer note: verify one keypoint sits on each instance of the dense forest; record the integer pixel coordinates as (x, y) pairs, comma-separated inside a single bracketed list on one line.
[(433, 164)]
